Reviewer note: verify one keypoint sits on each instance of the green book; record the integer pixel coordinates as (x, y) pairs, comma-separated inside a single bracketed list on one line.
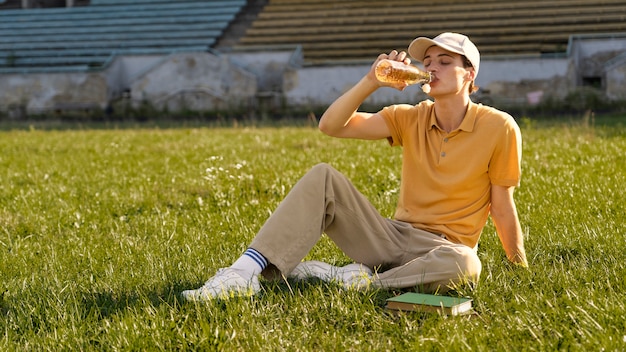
[(412, 301)]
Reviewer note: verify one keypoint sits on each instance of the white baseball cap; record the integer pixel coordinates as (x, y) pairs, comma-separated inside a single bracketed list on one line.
[(454, 42)]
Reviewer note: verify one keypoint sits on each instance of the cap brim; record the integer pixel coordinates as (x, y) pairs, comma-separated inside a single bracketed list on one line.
[(417, 48)]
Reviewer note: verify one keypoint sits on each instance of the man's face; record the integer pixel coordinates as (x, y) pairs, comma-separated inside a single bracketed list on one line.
[(449, 74)]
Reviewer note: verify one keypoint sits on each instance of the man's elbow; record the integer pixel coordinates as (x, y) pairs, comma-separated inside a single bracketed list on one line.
[(327, 129), (323, 127)]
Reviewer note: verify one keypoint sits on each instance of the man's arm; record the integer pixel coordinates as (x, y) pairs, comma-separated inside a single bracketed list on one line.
[(342, 119), (504, 216)]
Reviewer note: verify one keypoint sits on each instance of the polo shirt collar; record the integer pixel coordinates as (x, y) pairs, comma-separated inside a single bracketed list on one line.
[(467, 125)]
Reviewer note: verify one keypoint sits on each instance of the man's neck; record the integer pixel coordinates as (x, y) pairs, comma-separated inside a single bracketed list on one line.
[(451, 111)]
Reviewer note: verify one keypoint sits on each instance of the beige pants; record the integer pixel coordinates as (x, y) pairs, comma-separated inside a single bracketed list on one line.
[(324, 201)]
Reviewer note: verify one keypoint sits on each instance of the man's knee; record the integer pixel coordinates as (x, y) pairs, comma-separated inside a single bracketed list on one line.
[(466, 273), (322, 168), (468, 264), (320, 172)]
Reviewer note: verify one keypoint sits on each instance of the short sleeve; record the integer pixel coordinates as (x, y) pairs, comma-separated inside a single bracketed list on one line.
[(505, 164), (396, 118)]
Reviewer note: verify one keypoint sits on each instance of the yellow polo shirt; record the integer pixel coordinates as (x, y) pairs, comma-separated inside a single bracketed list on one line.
[(447, 177)]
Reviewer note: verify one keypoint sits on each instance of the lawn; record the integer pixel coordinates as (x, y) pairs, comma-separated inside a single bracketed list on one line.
[(101, 229)]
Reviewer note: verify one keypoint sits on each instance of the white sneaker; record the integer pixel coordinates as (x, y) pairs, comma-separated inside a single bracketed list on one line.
[(226, 283), (355, 275)]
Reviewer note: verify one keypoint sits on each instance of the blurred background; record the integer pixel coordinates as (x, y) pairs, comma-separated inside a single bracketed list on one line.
[(253, 59)]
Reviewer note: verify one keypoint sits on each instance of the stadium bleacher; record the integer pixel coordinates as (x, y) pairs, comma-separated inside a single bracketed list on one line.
[(329, 31), (355, 30), (88, 37)]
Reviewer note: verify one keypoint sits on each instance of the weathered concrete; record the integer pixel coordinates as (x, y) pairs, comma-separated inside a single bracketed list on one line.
[(616, 78), (512, 80), (266, 81), (195, 81), (40, 92), (124, 70), (319, 86)]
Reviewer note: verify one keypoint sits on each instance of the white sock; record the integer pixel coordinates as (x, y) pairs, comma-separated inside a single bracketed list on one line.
[(251, 262)]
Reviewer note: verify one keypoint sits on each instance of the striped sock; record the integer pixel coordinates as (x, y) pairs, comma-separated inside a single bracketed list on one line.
[(251, 262)]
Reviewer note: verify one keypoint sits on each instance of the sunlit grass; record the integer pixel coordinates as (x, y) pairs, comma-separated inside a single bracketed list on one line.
[(100, 230)]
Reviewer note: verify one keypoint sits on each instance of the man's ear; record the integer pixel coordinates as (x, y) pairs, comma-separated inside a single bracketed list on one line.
[(471, 74)]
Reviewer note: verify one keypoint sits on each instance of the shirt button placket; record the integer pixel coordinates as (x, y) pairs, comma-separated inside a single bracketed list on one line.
[(445, 141)]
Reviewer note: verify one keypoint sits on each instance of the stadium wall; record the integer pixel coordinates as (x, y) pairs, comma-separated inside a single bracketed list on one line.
[(36, 93), (195, 82), (253, 81), (508, 80)]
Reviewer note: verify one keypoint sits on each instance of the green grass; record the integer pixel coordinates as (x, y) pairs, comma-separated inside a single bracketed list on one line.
[(100, 230)]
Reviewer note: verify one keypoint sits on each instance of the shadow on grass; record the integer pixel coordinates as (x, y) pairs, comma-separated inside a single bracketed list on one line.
[(302, 288), (109, 303)]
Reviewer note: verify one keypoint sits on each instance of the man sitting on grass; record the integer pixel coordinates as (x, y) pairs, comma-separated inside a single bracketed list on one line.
[(461, 163)]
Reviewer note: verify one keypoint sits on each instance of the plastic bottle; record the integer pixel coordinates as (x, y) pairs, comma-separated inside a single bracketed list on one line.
[(390, 71)]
